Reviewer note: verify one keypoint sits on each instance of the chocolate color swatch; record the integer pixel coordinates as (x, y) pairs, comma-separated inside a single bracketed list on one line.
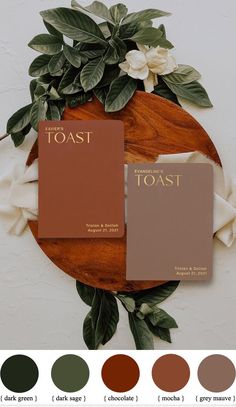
[(171, 373), (120, 373), (216, 373), (70, 373), (19, 373)]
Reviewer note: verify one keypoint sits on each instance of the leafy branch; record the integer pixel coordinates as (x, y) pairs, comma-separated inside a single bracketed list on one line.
[(69, 75), (145, 317)]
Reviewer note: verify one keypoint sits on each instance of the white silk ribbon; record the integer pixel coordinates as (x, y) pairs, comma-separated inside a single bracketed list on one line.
[(21, 197)]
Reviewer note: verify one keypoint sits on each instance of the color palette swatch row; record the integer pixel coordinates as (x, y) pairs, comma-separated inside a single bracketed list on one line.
[(119, 373)]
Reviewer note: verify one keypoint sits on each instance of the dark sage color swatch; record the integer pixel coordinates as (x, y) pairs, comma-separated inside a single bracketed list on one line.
[(171, 373), (70, 373), (19, 373), (216, 373), (120, 373)]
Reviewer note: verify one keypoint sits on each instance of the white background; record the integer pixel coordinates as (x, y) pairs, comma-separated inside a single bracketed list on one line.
[(39, 306)]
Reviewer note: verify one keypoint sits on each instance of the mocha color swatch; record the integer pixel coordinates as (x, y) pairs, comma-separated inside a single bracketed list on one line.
[(19, 373), (120, 373), (171, 373), (81, 179), (70, 373), (170, 222), (216, 373)]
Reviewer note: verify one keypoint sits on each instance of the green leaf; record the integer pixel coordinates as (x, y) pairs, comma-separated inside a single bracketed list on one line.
[(162, 90), (96, 8), (128, 30), (145, 24), (114, 318), (194, 92), (19, 120), (109, 75), (101, 94), (143, 15), (121, 91), (78, 99), (61, 104), (105, 29), (155, 295), (84, 97), (111, 56), (72, 89), (19, 137), (184, 74), (88, 332), (53, 113), (38, 113), (90, 51), (148, 36), (93, 53), (101, 322), (53, 94), (128, 302), (164, 43), (145, 309), (139, 315), (116, 51), (162, 333), (53, 30), (85, 292), (33, 86), (141, 333), (58, 73), (120, 45), (161, 318), (40, 91), (56, 63), (46, 43), (75, 25), (92, 73), (72, 55), (118, 12), (101, 314), (68, 79), (45, 79), (162, 28), (39, 66)]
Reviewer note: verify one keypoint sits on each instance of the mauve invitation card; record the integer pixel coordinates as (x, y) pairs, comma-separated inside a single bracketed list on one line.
[(170, 222), (81, 179)]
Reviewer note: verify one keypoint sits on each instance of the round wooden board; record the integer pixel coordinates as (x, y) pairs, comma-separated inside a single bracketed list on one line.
[(153, 126)]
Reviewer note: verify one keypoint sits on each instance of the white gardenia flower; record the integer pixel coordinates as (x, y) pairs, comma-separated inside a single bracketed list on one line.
[(147, 63)]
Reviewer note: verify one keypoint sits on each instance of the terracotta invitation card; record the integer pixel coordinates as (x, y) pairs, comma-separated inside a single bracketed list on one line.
[(170, 222), (81, 179)]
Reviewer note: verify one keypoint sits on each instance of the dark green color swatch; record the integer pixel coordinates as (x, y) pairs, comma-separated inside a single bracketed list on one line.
[(70, 373), (19, 373)]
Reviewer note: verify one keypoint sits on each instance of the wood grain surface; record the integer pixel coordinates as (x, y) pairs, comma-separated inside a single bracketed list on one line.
[(153, 126)]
